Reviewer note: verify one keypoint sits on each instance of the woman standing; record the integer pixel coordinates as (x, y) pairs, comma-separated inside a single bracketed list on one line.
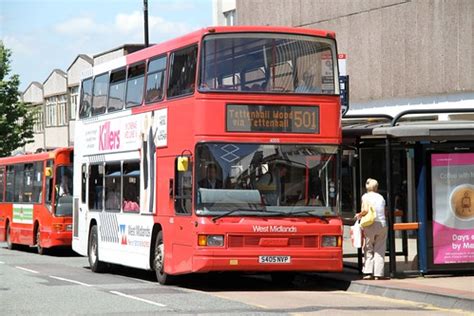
[(375, 234)]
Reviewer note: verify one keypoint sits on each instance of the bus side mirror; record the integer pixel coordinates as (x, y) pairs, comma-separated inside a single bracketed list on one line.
[(48, 172), (183, 163)]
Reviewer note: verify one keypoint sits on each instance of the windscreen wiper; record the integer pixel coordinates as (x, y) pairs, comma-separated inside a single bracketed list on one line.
[(215, 218), (324, 219)]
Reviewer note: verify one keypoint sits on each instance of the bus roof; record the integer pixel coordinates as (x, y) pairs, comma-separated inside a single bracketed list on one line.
[(33, 157), (195, 36)]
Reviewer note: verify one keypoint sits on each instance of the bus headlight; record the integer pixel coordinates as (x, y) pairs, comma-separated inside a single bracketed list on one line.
[(211, 240), (69, 227), (331, 241)]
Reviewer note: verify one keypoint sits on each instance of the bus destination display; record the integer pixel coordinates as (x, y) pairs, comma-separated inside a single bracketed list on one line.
[(272, 118)]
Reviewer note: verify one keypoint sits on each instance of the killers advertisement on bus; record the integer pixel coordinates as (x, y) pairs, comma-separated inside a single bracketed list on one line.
[(272, 118), (126, 133), (452, 190)]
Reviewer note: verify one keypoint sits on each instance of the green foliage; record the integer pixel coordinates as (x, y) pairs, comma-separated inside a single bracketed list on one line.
[(16, 119)]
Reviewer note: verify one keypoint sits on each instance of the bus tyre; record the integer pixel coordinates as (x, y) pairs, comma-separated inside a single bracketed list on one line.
[(41, 250), (159, 261), (93, 252), (10, 245)]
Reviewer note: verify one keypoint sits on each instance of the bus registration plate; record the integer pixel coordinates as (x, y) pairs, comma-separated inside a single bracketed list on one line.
[(274, 259)]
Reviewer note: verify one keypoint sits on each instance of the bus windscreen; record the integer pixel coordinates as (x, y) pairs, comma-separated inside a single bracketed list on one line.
[(265, 179)]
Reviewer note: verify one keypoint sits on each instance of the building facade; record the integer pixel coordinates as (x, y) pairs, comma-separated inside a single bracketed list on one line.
[(34, 96), (77, 67), (223, 12), (56, 129), (400, 53), (55, 101)]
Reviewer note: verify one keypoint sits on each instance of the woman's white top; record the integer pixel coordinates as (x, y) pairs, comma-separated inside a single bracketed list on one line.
[(378, 202)]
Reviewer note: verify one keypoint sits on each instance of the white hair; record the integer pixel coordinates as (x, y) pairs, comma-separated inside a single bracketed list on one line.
[(371, 185)]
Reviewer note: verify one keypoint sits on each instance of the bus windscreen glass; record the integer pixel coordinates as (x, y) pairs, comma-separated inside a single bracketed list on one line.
[(63, 189), (270, 63), (266, 179)]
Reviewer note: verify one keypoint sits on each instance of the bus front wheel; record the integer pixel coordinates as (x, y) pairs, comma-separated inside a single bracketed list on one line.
[(159, 261), (41, 250), (93, 252)]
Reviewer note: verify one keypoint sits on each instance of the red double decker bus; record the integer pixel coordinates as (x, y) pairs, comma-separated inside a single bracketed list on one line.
[(36, 199), (215, 151)]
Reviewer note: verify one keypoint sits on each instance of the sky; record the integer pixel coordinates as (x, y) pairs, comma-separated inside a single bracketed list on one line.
[(47, 34)]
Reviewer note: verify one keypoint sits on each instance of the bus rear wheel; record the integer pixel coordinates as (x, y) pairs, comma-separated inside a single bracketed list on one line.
[(159, 261), (10, 245), (93, 252)]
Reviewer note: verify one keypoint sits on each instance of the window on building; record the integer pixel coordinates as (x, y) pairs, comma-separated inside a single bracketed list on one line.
[(38, 127), (99, 97), (9, 190), (2, 183), (155, 80), (73, 101), (229, 17), (113, 186), (96, 187), (131, 186), (51, 111), (135, 83), (86, 98), (182, 71), (116, 90), (62, 110)]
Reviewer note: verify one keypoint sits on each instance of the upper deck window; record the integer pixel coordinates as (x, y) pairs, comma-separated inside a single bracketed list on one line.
[(135, 82), (86, 98), (270, 63), (117, 90), (155, 80), (182, 71), (99, 99)]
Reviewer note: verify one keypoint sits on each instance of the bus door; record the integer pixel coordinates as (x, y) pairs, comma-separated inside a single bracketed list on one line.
[(182, 228), (80, 210)]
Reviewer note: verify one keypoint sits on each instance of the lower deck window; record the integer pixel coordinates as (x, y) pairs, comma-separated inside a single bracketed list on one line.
[(131, 187)]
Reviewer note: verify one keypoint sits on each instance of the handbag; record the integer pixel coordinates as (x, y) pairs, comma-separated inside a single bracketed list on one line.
[(356, 235), (369, 218)]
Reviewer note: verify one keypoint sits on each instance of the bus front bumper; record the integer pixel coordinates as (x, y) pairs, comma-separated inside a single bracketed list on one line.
[(329, 260)]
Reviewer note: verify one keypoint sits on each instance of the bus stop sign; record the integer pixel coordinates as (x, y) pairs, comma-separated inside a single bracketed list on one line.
[(344, 93)]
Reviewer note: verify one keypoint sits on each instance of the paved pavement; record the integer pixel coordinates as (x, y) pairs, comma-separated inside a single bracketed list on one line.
[(451, 292)]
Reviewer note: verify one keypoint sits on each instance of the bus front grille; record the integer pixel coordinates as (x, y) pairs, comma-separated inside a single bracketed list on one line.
[(238, 241)]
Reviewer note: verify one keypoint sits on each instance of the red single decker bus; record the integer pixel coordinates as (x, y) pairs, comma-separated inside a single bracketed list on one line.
[(215, 151), (36, 199)]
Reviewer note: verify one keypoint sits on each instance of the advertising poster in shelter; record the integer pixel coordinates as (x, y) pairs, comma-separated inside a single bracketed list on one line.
[(452, 178)]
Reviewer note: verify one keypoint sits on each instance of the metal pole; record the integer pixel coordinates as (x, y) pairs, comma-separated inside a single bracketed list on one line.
[(391, 232), (358, 194), (145, 20)]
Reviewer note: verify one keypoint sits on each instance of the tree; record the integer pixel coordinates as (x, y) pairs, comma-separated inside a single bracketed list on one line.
[(16, 120)]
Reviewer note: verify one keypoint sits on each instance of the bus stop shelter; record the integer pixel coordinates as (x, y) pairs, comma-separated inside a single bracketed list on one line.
[(425, 168)]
